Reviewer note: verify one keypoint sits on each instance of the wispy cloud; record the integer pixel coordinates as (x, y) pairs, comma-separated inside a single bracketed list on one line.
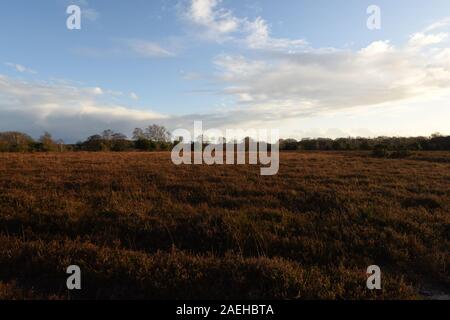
[(315, 80), (90, 14), (20, 68), (134, 96), (128, 47), (445, 22), (87, 12), (148, 49), (259, 37), (207, 14), (220, 24)]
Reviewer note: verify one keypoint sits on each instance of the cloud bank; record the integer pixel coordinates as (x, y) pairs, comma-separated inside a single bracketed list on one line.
[(70, 112)]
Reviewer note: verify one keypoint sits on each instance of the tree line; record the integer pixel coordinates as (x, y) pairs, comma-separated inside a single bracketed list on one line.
[(158, 138), (152, 138), (389, 144)]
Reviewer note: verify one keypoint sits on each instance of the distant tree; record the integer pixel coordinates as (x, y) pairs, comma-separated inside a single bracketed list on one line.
[(15, 142), (138, 133), (107, 134), (164, 146), (381, 151), (119, 142), (118, 136), (120, 145), (436, 135), (145, 145), (289, 144), (47, 143), (94, 143), (364, 145), (157, 133), (95, 137), (60, 144)]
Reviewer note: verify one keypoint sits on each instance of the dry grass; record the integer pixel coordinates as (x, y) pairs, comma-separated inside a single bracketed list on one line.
[(140, 227)]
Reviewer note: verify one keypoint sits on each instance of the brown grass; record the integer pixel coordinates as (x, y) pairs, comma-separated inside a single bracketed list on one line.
[(140, 227)]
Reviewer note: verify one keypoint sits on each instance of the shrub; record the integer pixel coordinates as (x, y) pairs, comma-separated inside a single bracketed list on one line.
[(399, 154), (145, 145), (381, 151)]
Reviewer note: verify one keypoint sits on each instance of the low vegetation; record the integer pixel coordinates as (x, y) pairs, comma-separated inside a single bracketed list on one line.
[(141, 227)]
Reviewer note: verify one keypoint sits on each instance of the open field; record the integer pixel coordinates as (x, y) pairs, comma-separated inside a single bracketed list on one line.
[(140, 227)]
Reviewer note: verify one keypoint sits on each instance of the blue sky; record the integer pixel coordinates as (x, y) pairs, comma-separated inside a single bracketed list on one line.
[(310, 68)]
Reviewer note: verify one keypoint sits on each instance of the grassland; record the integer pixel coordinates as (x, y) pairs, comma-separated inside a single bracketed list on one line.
[(141, 227)]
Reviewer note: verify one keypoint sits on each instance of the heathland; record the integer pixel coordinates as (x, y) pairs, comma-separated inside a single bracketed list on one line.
[(140, 227)]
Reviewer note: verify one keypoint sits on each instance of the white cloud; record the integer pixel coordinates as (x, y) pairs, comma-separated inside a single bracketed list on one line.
[(149, 49), (97, 91), (20, 68), (220, 24), (259, 37), (234, 67), (67, 110), (318, 81), (438, 25), (377, 48), (134, 96), (127, 47), (420, 40), (217, 21), (190, 76)]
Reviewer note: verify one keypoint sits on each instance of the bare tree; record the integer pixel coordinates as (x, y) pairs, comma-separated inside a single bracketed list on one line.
[(47, 142), (118, 136), (157, 133), (107, 134), (138, 133), (111, 135)]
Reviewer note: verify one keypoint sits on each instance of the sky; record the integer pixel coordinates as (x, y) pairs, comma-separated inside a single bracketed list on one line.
[(308, 68)]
